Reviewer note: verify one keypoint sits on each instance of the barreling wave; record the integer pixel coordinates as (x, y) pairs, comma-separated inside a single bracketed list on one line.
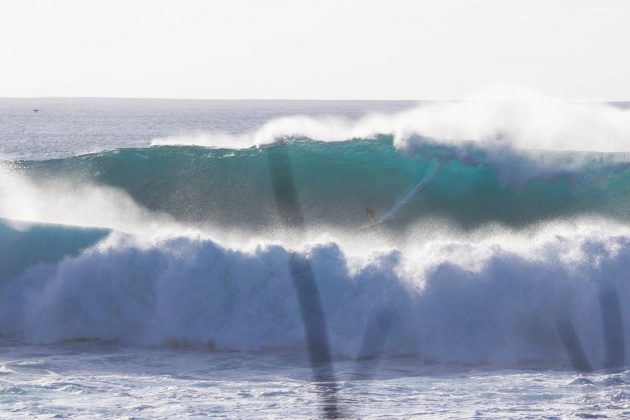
[(543, 190), (469, 186)]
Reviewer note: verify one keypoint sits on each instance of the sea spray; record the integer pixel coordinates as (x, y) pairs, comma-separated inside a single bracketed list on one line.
[(492, 302), (230, 188)]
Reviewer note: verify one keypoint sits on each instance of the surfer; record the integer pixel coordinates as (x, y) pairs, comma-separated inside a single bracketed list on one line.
[(370, 215)]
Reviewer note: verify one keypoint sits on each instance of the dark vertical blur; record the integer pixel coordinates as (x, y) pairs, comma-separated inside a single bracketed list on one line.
[(283, 185), (373, 343), (572, 344), (613, 335), (309, 299), (612, 319)]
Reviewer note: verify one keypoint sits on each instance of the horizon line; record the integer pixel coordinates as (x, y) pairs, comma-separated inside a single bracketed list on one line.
[(215, 99), (291, 99)]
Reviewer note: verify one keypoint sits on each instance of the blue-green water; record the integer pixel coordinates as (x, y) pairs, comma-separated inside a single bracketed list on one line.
[(336, 181), (445, 278)]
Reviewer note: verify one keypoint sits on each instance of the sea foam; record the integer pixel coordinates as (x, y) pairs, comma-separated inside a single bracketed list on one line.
[(496, 301), (501, 116)]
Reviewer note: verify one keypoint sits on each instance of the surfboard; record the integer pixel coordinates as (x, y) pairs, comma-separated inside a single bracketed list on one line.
[(404, 200)]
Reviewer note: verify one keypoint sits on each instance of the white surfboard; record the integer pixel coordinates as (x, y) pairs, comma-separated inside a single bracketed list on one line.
[(406, 198)]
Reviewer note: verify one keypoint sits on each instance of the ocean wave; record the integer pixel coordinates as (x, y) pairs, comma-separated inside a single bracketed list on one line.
[(131, 189), (499, 117), (505, 300)]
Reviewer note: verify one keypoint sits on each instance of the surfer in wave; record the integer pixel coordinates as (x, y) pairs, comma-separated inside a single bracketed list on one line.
[(370, 215)]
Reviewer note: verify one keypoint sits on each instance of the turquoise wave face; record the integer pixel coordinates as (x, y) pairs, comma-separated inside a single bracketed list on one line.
[(25, 245), (335, 182)]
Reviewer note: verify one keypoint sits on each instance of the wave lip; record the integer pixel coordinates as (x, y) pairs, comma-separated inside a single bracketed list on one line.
[(489, 119), (23, 245)]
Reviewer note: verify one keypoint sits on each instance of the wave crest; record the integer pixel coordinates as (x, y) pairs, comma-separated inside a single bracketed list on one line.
[(519, 120), (497, 301)]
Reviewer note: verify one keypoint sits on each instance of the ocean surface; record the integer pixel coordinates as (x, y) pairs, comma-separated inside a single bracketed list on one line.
[(304, 259)]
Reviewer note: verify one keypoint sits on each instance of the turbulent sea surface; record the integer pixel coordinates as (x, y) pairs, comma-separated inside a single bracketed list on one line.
[(166, 258)]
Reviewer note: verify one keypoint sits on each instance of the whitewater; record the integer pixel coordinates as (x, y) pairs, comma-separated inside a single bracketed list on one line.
[(172, 258)]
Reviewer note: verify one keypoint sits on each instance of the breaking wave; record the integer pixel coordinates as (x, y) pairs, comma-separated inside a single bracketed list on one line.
[(497, 301), (496, 232), (497, 118), (468, 187)]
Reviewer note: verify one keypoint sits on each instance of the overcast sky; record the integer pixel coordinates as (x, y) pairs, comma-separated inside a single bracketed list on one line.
[(317, 49)]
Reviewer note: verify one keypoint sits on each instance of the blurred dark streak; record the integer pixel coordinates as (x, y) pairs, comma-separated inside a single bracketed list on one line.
[(613, 334), (312, 312), (612, 320), (572, 344), (313, 318), (373, 344), (283, 185)]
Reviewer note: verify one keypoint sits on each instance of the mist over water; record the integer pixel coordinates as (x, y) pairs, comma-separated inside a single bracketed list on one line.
[(500, 237), (231, 189)]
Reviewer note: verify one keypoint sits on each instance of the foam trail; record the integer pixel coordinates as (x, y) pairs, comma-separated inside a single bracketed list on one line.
[(407, 197)]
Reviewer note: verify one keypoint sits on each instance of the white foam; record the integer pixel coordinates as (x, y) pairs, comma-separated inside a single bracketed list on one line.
[(500, 116), (78, 203), (492, 301)]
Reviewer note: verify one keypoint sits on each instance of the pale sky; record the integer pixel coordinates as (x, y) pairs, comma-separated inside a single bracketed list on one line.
[(319, 49)]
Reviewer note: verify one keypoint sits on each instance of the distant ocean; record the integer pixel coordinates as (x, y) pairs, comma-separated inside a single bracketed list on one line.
[(288, 259)]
